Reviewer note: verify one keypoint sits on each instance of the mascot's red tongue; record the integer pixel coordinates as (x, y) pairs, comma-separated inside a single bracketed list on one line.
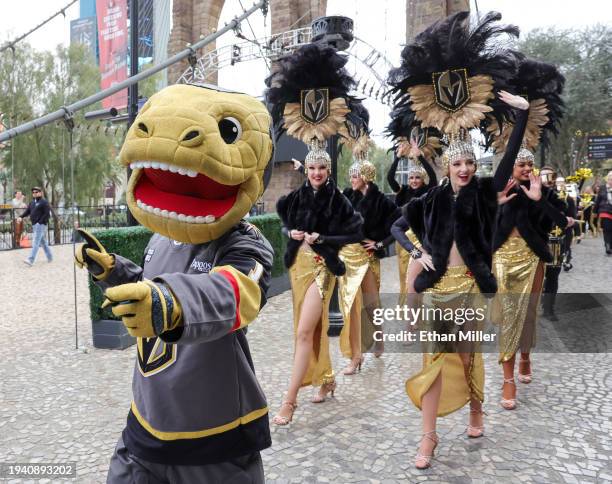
[(199, 196)]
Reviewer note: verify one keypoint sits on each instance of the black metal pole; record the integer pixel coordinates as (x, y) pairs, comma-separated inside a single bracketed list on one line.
[(335, 315), (133, 88)]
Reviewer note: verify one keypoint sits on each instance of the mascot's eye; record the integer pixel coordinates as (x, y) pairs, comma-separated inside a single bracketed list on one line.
[(230, 130), (143, 127)]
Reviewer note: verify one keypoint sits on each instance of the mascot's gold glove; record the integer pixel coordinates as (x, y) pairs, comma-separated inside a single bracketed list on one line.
[(93, 256), (147, 308)]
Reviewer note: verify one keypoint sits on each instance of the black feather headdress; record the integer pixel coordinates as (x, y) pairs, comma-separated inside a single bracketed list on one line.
[(448, 75), (542, 84), (356, 136), (307, 93)]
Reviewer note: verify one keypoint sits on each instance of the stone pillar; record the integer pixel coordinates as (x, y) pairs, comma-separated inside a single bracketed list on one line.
[(295, 14), (422, 13), (192, 20), (284, 180)]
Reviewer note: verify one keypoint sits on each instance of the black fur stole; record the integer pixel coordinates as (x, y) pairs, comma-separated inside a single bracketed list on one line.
[(378, 213), (438, 219), (530, 219), (326, 212)]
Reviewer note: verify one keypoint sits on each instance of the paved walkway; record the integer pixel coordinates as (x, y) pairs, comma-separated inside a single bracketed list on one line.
[(61, 404)]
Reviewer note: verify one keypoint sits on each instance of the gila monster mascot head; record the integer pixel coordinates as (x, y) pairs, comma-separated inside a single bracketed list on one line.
[(199, 157)]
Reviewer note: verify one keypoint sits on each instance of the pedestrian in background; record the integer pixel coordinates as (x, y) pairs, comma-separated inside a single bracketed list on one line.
[(19, 206), (603, 208), (38, 210)]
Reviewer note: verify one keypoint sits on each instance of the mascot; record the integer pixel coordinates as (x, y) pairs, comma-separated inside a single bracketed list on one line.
[(199, 157)]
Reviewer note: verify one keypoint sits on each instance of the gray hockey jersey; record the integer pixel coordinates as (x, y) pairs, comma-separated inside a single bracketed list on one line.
[(196, 397)]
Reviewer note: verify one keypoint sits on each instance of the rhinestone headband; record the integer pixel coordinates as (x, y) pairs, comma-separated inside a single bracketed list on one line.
[(317, 154), (364, 169), (459, 146), (368, 171), (524, 154)]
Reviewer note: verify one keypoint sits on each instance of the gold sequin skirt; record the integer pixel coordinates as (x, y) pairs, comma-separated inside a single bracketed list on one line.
[(460, 382), (309, 268), (515, 267), (404, 260), (357, 261)]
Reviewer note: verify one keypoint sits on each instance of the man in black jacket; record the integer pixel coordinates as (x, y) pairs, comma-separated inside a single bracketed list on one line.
[(38, 210), (551, 280), (603, 207), (571, 211)]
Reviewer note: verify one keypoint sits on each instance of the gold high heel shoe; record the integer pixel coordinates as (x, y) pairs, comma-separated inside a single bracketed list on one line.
[(524, 377), (475, 431), (423, 461), (325, 388), (354, 366), (281, 420), (508, 403)]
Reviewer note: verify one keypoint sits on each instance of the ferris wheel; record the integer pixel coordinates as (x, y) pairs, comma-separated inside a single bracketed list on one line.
[(370, 77)]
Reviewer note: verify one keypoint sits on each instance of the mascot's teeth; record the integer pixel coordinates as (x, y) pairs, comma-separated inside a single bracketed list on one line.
[(181, 217), (157, 165)]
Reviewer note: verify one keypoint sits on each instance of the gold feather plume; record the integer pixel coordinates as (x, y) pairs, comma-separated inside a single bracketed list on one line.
[(360, 146), (538, 117), (297, 127), (430, 114), (429, 149)]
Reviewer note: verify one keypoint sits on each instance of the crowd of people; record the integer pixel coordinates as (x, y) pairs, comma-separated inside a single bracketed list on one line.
[(458, 240)]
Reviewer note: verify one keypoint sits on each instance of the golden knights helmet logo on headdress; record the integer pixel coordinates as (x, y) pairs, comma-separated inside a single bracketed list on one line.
[(314, 105), (449, 74), (451, 89), (418, 136)]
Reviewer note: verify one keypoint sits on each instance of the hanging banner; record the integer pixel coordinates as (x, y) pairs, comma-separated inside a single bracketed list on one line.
[(113, 45), (83, 31)]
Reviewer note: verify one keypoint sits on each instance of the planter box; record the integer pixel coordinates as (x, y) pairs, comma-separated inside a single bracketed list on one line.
[(111, 335)]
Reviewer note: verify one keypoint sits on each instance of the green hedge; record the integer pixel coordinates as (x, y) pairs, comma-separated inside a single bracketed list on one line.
[(130, 242)]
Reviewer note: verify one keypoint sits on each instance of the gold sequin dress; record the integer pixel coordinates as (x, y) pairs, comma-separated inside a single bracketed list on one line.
[(515, 267), (357, 261), (460, 383), (310, 267), (404, 261)]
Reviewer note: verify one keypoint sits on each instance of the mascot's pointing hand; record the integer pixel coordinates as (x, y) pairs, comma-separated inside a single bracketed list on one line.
[(93, 256), (147, 308)]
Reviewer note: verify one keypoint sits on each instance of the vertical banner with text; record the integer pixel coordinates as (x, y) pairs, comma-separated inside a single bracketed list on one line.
[(113, 45)]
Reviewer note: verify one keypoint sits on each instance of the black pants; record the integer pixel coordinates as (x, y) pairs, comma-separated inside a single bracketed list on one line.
[(587, 218), (550, 288), (126, 468), (567, 245), (606, 225)]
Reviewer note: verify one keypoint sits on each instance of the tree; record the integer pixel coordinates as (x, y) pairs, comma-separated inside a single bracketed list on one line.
[(40, 82), (585, 58)]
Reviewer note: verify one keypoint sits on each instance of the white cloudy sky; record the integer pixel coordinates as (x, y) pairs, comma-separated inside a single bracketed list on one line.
[(381, 23)]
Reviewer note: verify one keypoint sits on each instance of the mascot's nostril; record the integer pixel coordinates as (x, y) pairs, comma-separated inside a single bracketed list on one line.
[(191, 135), (143, 128)]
